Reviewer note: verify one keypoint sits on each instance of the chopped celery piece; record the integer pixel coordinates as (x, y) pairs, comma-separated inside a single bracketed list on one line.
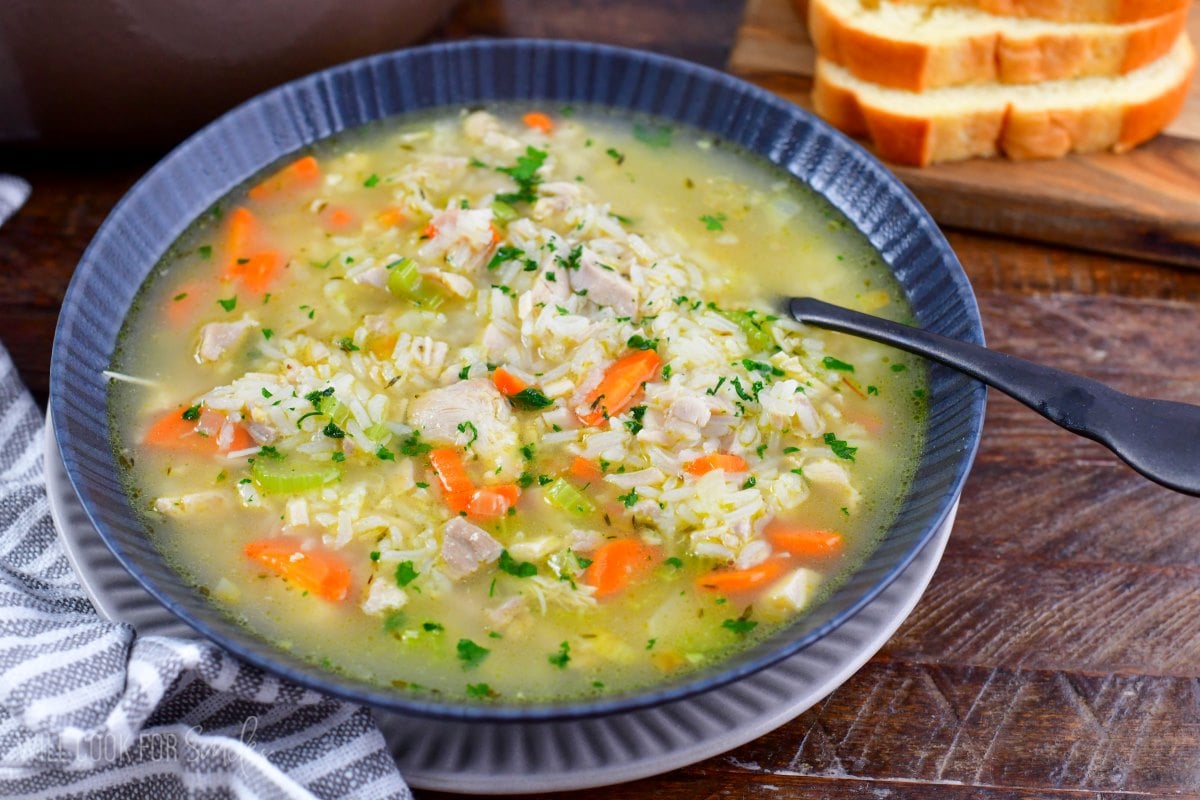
[(289, 477), (566, 497), (379, 433), (335, 409), (403, 278), (756, 334), (405, 282), (503, 212), (428, 299)]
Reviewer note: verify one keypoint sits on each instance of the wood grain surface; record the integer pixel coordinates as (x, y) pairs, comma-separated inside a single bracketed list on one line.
[(1056, 653), (1145, 203)]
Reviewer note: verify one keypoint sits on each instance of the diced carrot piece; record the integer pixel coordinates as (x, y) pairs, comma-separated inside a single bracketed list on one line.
[(182, 306), (383, 346), (617, 564), (497, 237), (509, 491), (429, 232), (305, 169), (301, 172), (317, 571), (257, 272), (723, 461), (586, 470), (336, 219), (804, 542), (507, 383), (451, 472), (390, 217), (243, 225), (539, 121), (736, 581), (172, 432), (620, 386), (491, 502)]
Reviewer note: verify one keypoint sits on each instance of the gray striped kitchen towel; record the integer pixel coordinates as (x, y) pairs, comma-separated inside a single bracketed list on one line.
[(89, 709)]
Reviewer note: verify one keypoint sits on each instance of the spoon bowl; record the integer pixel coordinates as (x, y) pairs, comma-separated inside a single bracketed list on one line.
[(1158, 438)]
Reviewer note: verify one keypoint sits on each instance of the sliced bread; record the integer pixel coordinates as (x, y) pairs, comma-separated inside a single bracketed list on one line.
[(1043, 120), (1106, 11), (905, 46)]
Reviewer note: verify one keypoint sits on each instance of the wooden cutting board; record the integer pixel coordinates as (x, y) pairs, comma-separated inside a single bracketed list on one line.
[(1145, 203)]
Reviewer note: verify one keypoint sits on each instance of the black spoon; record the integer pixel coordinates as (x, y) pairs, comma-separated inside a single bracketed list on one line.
[(1158, 438)]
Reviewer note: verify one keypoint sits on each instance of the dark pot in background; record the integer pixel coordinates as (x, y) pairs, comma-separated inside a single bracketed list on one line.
[(140, 73)]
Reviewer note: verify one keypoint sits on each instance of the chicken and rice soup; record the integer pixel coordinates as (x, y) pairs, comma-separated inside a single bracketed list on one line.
[(494, 404)]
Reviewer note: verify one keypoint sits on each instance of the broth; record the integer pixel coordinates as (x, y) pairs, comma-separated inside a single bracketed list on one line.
[(494, 406)]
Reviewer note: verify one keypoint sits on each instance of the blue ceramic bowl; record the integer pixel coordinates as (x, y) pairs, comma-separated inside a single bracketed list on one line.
[(244, 141)]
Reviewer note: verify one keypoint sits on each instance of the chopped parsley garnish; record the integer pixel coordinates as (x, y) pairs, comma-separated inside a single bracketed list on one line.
[(714, 222), (179, 296), (406, 573), (205, 251), (527, 451), (463, 427), (524, 172), (584, 563), (839, 447), (674, 561), (432, 627), (479, 691), (829, 362), (413, 446), (338, 457), (635, 425), (383, 454), (872, 389), (530, 399), (267, 451), (653, 135), (465, 372), (742, 626), (267, 333), (560, 658), (629, 500), (750, 482), (191, 414), (650, 643), (616, 155), (639, 342), (375, 554), (666, 371), (333, 431), (471, 654), (761, 366), (394, 621), (506, 253), (229, 304), (347, 344), (371, 181), (519, 569), (525, 480), (899, 367)]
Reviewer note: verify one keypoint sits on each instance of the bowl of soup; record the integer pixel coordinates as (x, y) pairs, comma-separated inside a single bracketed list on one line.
[(455, 381)]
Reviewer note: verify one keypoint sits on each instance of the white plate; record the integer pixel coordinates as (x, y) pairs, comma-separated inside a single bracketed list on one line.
[(519, 758)]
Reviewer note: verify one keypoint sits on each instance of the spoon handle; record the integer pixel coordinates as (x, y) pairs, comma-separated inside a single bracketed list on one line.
[(1158, 438)]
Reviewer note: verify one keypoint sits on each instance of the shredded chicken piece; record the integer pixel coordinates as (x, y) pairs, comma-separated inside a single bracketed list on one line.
[(466, 546), (216, 338), (442, 415), (604, 286)]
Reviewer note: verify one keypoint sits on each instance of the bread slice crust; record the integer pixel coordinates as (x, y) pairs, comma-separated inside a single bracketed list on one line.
[(905, 47), (1106, 11), (1020, 122)]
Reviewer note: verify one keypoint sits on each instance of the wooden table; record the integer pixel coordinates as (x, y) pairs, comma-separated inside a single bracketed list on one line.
[(1056, 653)]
